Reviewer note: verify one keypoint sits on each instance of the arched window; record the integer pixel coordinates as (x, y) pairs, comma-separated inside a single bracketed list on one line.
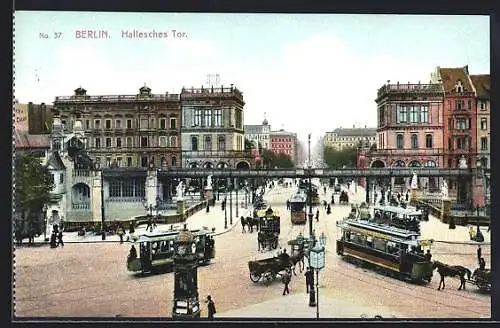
[(428, 141), (414, 141), (414, 164), (400, 141), (173, 141), (174, 161), (399, 163), (430, 163)]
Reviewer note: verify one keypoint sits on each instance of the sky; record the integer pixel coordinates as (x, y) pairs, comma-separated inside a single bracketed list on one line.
[(306, 73)]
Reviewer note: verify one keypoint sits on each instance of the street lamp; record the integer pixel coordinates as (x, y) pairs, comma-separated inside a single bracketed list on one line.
[(230, 187), (103, 231), (45, 208), (317, 262)]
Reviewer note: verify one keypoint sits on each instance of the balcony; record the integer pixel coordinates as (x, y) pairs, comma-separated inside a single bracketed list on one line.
[(408, 152), (117, 98), (217, 153), (218, 92), (410, 89), (80, 206)]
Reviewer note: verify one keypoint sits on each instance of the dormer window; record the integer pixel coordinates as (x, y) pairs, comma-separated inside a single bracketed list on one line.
[(459, 87)]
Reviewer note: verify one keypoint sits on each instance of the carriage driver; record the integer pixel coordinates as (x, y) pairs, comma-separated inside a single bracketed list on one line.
[(284, 257)]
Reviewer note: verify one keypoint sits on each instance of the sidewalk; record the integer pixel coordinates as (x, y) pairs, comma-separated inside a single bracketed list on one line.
[(213, 219), (296, 305)]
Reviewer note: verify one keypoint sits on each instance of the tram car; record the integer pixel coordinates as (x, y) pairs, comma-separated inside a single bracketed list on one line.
[(269, 229), (298, 208), (403, 218), (156, 250), (396, 251)]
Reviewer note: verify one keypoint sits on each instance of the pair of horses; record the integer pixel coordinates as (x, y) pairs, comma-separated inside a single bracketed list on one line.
[(250, 223), (445, 270)]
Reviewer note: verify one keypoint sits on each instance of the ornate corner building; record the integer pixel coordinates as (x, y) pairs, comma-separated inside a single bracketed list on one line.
[(212, 128), (126, 130)]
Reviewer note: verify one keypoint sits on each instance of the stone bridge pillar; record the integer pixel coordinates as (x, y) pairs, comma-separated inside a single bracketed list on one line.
[(151, 187), (97, 185)]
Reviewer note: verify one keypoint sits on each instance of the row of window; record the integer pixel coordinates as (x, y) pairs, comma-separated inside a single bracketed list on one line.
[(428, 163), (207, 117), (459, 104), (381, 245), (127, 188), (282, 139), (207, 141), (350, 138), (412, 113), (129, 161), (129, 124), (400, 144), (280, 146), (163, 141)]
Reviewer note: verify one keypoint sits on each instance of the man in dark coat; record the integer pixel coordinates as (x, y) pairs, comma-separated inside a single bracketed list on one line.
[(428, 255), (317, 215), (210, 307), (479, 253), (309, 279), (59, 238), (286, 280)]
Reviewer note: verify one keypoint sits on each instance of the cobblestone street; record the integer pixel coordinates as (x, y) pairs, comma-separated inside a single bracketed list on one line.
[(91, 279)]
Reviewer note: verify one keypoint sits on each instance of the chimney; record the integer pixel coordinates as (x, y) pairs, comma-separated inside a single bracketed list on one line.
[(365, 126), (466, 69)]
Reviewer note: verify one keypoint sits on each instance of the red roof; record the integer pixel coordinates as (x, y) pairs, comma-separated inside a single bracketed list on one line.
[(23, 140)]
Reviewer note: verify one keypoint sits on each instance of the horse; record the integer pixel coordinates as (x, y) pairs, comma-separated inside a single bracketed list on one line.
[(263, 241), (252, 222), (298, 257), (243, 223), (445, 270)]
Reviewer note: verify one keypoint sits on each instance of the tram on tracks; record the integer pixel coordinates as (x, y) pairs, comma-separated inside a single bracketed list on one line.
[(298, 204), (156, 250), (394, 250)]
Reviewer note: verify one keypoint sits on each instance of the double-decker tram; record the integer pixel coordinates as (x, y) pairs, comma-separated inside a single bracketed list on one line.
[(298, 208), (396, 251), (156, 250)]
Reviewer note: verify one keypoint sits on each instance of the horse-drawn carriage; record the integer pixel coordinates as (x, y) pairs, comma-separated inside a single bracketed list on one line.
[(269, 229), (267, 269), (482, 279), (344, 197)]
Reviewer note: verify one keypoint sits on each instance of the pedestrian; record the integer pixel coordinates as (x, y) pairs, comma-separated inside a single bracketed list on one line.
[(325, 204), (328, 209), (407, 196), (154, 221), (479, 253), (482, 264), (59, 238), (242, 220), (120, 232), (286, 281), (208, 208), (309, 279), (150, 224), (210, 307), (317, 215), (333, 200)]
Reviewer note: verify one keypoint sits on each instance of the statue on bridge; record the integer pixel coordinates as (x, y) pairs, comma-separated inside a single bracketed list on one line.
[(462, 163), (444, 190), (180, 191), (414, 181), (209, 182)]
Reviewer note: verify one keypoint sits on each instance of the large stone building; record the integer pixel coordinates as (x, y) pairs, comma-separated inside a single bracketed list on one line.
[(212, 128), (284, 142), (126, 130), (342, 138), (410, 128), (259, 134)]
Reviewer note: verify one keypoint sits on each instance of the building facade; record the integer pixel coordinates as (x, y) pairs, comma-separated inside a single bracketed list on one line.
[(212, 129), (409, 129), (39, 118), (459, 116), (342, 138), (126, 130), (284, 142), (259, 134), (481, 85)]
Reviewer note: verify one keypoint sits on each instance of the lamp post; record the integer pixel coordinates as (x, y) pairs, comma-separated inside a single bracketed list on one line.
[(45, 208), (103, 230), (317, 262), (309, 173), (236, 184), (230, 202)]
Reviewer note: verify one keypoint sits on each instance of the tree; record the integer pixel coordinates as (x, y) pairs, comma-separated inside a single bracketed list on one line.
[(33, 184), (280, 160), (338, 158), (283, 161), (248, 144)]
